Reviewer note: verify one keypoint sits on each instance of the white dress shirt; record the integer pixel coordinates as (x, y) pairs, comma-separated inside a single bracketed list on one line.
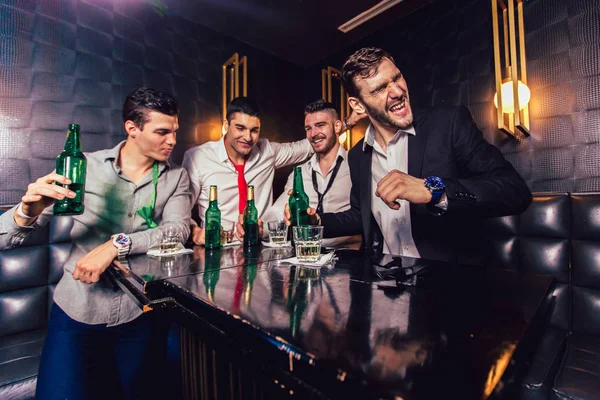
[(335, 200), (209, 164), (395, 225)]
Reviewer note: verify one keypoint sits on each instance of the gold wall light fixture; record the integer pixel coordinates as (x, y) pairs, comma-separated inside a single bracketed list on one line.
[(512, 94), (328, 75), (231, 80)]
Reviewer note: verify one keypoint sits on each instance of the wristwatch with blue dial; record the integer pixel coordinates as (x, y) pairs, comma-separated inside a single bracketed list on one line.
[(436, 187), (123, 243)]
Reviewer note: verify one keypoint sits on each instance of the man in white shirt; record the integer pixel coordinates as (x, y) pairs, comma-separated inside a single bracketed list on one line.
[(326, 175), (240, 158), (425, 202)]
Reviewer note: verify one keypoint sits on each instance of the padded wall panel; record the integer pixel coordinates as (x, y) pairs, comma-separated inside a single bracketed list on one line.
[(551, 132), (90, 92), (94, 42), (585, 216), (44, 143), (185, 67), (27, 5), (11, 168), (158, 37), (587, 184), (128, 51), (585, 27), (15, 112), (158, 59), (63, 9), (579, 6), (127, 74), (128, 28), (546, 256), (546, 71), (586, 126), (552, 185), (93, 17), (51, 115), (54, 32), (543, 13), (584, 60), (16, 52), (16, 22), (92, 119), (48, 58), (553, 163), (185, 46), (587, 93), (587, 160), (553, 100), (15, 143), (39, 167), (15, 82), (547, 41), (93, 67), (52, 87)]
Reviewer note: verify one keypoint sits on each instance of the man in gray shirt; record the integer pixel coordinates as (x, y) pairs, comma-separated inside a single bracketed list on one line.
[(96, 332)]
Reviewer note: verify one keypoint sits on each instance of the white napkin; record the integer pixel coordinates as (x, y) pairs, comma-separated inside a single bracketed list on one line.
[(155, 251), (324, 260), (284, 244)]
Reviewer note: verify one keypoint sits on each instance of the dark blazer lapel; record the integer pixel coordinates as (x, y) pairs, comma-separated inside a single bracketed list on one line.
[(365, 192), (416, 145)]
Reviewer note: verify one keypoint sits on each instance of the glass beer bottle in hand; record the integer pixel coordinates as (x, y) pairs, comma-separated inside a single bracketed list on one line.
[(298, 203), (212, 221), (250, 220), (72, 164)]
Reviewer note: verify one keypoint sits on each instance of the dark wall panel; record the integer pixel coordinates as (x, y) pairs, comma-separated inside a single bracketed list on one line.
[(64, 61)]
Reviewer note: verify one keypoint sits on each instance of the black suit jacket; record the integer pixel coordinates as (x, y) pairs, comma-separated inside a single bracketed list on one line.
[(479, 183)]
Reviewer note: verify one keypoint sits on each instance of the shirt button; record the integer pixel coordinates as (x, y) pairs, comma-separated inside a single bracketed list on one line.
[(130, 215)]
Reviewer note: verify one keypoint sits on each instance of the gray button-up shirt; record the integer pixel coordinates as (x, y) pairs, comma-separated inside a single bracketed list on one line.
[(111, 204)]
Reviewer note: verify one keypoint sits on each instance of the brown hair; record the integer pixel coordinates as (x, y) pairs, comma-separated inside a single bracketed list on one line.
[(363, 63)]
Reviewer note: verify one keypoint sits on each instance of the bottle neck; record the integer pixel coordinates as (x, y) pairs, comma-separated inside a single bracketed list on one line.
[(73, 143), (298, 183)]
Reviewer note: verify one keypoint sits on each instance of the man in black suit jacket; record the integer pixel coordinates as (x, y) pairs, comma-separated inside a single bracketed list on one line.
[(441, 142)]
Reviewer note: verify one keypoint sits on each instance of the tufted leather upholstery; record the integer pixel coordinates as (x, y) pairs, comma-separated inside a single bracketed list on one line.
[(559, 235), (28, 275)]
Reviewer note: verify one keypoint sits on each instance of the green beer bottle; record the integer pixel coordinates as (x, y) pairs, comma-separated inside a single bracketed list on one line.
[(212, 221), (212, 270), (250, 220), (298, 203), (72, 164)]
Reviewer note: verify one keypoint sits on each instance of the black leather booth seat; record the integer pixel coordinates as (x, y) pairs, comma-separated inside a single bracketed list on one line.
[(28, 276), (559, 235)]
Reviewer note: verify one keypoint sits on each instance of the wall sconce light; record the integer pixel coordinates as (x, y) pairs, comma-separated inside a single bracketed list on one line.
[(231, 81), (327, 77), (512, 94)]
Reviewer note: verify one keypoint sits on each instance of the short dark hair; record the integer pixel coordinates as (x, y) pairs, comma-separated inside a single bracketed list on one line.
[(363, 63), (320, 105), (242, 105), (143, 99)]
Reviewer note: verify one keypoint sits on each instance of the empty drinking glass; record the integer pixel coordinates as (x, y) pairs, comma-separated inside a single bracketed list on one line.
[(277, 232)]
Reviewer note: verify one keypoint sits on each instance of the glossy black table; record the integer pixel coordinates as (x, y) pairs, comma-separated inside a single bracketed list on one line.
[(257, 327)]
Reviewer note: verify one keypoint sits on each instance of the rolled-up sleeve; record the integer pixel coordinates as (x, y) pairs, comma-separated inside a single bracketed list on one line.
[(291, 153)]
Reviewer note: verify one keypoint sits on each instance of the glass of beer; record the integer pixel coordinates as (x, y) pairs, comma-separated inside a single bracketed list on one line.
[(277, 232), (170, 239), (308, 241)]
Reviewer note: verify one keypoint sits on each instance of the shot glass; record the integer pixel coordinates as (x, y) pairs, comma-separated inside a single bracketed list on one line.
[(278, 231), (170, 240), (308, 241)]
